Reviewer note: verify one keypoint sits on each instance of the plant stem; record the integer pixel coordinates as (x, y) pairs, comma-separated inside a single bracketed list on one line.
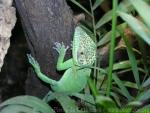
[(95, 40), (111, 55), (93, 21), (93, 88)]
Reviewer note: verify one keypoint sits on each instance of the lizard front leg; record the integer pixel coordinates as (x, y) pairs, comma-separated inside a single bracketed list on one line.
[(36, 67), (61, 49)]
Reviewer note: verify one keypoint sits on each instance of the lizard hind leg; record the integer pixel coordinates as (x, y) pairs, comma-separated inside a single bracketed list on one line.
[(36, 67), (60, 47)]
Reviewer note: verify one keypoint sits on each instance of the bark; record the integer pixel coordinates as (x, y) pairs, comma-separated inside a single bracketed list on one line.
[(7, 23), (45, 22)]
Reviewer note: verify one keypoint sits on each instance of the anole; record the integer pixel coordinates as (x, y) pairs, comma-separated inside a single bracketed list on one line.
[(77, 68)]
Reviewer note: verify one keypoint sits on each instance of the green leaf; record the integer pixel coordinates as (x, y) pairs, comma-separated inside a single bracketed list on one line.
[(89, 101), (122, 65), (107, 103), (28, 101), (93, 88), (79, 5), (145, 109), (126, 110), (112, 47), (68, 104), (132, 58), (130, 84), (143, 9), (106, 18), (116, 98), (123, 6), (146, 83), (134, 104), (107, 36), (145, 95), (86, 97), (97, 3), (136, 26), (142, 46), (16, 109), (120, 84)]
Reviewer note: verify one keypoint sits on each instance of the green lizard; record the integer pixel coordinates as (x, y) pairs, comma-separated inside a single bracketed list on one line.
[(77, 71)]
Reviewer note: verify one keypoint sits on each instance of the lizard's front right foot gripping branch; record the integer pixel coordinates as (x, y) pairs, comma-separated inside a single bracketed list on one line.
[(60, 47)]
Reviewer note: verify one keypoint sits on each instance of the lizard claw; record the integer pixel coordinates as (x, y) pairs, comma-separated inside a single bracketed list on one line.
[(33, 62), (60, 47), (57, 46)]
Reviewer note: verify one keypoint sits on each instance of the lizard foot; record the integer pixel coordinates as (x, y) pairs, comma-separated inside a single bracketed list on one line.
[(33, 62), (60, 47)]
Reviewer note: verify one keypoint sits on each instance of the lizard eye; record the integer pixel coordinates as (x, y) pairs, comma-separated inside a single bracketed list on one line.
[(81, 53)]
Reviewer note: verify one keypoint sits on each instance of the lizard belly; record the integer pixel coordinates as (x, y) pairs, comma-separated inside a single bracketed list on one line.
[(73, 81)]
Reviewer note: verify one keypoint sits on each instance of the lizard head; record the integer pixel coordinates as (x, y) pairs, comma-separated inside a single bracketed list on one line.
[(84, 48)]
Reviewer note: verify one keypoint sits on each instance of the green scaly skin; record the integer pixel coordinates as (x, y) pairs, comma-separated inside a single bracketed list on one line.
[(76, 75)]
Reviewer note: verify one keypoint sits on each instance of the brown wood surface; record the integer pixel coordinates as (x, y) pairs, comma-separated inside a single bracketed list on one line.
[(45, 22)]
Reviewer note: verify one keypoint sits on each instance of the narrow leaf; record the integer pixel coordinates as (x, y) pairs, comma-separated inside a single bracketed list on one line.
[(16, 109), (146, 83), (107, 103), (143, 9), (79, 5), (107, 36), (89, 101), (145, 95), (29, 101), (68, 104), (106, 18), (134, 104), (123, 6), (97, 3), (136, 26), (122, 65), (132, 58), (122, 87), (130, 84), (86, 97), (116, 98), (145, 109)]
